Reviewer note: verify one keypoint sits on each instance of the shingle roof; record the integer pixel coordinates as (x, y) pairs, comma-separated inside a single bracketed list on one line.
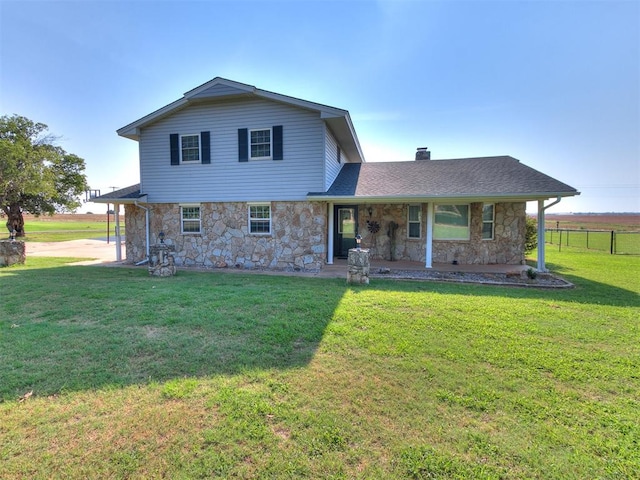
[(127, 193), (484, 177)]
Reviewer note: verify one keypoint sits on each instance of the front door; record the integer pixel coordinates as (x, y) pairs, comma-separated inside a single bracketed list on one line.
[(346, 229)]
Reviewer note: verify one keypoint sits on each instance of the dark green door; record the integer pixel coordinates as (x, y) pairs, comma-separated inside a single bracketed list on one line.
[(346, 229)]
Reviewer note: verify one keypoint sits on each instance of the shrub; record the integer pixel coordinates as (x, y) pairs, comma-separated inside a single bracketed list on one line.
[(530, 235)]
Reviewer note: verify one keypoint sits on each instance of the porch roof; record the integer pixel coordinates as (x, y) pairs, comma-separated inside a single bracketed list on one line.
[(129, 194), (486, 178)]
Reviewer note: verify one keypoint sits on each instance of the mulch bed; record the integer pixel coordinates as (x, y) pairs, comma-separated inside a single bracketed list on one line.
[(542, 280)]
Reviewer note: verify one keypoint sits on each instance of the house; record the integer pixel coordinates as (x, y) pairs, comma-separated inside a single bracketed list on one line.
[(233, 175)]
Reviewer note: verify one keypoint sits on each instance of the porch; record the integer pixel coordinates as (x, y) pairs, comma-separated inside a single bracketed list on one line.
[(339, 267)]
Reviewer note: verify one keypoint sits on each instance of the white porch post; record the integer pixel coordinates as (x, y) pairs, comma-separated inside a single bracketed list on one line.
[(330, 234), (429, 240), (116, 208), (541, 209)]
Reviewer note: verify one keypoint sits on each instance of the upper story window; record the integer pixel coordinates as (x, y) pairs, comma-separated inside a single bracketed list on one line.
[(260, 218), (189, 148), (488, 221), (414, 221), (190, 218), (451, 222), (260, 146)]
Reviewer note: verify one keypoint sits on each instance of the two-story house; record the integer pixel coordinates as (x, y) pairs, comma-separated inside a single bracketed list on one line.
[(236, 176)]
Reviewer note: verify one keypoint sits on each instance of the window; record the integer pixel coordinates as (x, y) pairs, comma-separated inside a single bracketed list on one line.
[(451, 222), (190, 219), (488, 220), (189, 148), (414, 221), (347, 222), (260, 143), (260, 218), (338, 154)]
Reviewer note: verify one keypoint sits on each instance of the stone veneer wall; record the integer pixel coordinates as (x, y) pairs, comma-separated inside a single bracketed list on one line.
[(297, 240), (507, 247)]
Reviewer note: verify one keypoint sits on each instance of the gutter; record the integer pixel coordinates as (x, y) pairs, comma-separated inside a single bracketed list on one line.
[(529, 197)]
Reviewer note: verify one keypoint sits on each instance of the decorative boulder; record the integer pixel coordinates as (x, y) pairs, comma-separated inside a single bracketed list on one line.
[(12, 252)]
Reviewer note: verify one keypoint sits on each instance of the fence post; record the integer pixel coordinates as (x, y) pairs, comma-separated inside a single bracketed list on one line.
[(567, 238), (560, 242), (613, 236), (587, 239)]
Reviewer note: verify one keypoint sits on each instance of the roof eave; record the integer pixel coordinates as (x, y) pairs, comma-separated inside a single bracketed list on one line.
[(132, 130), (510, 197)]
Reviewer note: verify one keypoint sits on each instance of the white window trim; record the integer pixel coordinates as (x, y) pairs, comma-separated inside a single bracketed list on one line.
[(468, 237), (493, 222), (251, 157), (191, 205), (199, 148), (419, 222), (259, 204)]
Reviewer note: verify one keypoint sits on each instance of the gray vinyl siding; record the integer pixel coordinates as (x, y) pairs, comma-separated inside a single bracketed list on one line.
[(332, 167), (218, 91), (226, 179)]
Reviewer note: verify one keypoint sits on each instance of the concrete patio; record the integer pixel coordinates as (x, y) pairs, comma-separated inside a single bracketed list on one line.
[(339, 268)]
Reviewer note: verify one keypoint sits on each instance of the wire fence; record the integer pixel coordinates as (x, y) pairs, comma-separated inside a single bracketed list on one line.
[(616, 243)]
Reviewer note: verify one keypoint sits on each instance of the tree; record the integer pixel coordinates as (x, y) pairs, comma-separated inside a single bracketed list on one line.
[(36, 176)]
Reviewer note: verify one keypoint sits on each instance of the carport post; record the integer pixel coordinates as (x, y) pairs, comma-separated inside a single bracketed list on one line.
[(116, 208)]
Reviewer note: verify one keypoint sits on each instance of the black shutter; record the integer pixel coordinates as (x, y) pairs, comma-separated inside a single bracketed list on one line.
[(243, 145), (175, 149), (277, 142), (206, 147)]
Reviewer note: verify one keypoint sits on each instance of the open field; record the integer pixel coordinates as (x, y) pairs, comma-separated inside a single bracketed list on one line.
[(109, 373), (622, 222), (63, 227), (70, 218), (594, 232)]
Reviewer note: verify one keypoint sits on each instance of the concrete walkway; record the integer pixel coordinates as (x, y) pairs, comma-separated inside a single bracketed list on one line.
[(96, 251)]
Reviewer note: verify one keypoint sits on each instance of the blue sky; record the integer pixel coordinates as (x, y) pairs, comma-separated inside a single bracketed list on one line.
[(555, 84)]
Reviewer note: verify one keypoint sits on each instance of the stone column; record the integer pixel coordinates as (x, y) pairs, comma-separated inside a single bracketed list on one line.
[(11, 252), (358, 266), (161, 260)]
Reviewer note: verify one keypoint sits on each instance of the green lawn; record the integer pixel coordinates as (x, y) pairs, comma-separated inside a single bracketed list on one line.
[(46, 230), (223, 375)]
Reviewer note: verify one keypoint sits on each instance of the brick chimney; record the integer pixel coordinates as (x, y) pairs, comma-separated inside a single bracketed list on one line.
[(423, 153)]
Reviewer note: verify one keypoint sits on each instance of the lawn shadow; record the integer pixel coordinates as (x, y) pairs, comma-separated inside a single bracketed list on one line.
[(74, 328), (585, 291)]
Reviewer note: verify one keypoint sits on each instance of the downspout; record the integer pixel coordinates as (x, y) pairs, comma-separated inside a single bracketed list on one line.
[(146, 222), (541, 209)]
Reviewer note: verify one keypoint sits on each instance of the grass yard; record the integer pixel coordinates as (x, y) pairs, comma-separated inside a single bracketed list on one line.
[(223, 375), (61, 227)]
